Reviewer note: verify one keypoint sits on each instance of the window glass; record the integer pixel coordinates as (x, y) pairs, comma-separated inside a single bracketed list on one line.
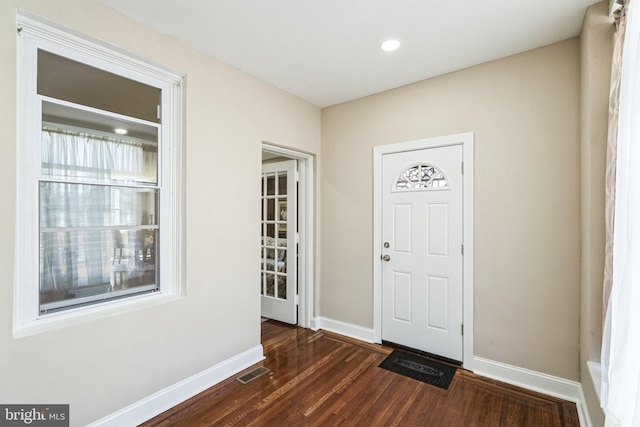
[(98, 194), (86, 266), (63, 78), (84, 146), (81, 205), (420, 177)]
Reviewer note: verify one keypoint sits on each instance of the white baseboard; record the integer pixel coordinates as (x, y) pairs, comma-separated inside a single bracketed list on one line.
[(583, 411), (175, 394), (536, 381), (343, 328)]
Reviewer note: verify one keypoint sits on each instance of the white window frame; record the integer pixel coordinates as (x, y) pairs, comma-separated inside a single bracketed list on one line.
[(33, 34)]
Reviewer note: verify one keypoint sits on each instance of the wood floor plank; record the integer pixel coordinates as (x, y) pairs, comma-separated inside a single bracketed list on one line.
[(319, 378)]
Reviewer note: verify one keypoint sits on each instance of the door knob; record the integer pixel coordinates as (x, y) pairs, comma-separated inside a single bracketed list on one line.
[(386, 257)]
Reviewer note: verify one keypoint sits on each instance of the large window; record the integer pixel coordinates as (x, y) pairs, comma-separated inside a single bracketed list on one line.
[(98, 175)]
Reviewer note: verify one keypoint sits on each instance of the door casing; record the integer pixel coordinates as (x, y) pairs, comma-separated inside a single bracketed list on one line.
[(306, 254), (466, 140)]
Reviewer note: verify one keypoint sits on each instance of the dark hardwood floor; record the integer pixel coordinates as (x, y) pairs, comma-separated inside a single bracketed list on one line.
[(324, 379)]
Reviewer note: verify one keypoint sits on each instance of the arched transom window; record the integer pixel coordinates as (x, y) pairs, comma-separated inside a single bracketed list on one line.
[(418, 177)]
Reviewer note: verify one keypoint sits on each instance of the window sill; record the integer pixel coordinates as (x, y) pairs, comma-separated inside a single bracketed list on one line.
[(82, 315), (595, 372)]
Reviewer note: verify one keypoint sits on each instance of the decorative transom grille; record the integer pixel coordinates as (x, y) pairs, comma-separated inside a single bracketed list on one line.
[(420, 177)]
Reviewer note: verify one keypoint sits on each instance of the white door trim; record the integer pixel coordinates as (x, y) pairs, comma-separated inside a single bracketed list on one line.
[(466, 140), (305, 226)]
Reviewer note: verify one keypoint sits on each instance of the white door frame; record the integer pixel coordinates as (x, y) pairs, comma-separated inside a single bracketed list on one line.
[(466, 140), (305, 229)]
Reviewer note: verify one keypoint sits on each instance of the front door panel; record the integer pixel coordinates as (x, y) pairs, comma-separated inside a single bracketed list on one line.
[(422, 225)]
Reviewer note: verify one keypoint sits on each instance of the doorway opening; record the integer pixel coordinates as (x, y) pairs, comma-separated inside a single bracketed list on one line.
[(287, 233)]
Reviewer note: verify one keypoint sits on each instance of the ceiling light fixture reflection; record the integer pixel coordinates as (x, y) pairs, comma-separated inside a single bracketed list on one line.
[(120, 131), (390, 45)]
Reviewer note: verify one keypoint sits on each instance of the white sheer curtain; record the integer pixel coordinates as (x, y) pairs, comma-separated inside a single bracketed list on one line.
[(83, 156), (610, 169), (621, 336)]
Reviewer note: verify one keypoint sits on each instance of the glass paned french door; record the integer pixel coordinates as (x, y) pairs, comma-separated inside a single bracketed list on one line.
[(278, 220)]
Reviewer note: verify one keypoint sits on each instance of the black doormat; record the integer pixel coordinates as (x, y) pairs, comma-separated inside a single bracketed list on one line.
[(419, 368)]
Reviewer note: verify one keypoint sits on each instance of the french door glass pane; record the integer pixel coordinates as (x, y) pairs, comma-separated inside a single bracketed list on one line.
[(270, 264), (270, 288), (282, 286), (282, 242), (271, 210), (281, 257), (282, 183), (271, 230), (271, 184)]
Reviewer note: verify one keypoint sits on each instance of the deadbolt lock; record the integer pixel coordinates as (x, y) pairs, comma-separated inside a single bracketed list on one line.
[(386, 244)]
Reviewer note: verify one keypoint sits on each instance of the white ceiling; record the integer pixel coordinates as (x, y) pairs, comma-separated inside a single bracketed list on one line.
[(327, 51)]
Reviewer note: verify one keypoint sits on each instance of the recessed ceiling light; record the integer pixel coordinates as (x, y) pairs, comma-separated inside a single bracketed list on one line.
[(390, 45), (120, 131)]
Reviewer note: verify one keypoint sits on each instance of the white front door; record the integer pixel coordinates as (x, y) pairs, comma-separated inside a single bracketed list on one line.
[(422, 265), (278, 271)]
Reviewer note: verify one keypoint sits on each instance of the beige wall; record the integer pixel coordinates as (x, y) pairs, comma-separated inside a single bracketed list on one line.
[(104, 365), (524, 111), (596, 49)]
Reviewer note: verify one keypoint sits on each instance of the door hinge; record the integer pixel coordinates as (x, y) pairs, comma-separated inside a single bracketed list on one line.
[(462, 248), (297, 238), (297, 176), (297, 299), (462, 167), (462, 329), (158, 111)]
